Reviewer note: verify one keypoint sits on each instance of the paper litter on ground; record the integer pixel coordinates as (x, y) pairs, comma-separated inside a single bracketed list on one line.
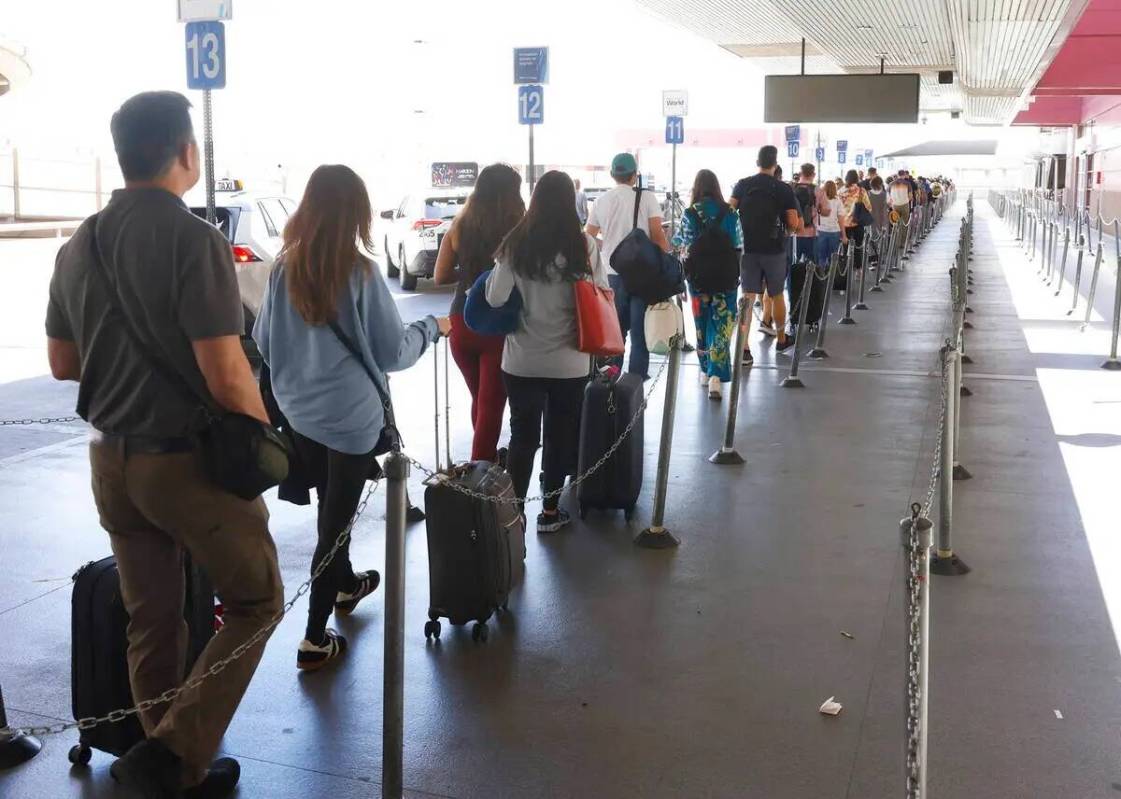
[(829, 707)]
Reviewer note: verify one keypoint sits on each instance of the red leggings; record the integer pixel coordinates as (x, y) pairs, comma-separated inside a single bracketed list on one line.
[(479, 358)]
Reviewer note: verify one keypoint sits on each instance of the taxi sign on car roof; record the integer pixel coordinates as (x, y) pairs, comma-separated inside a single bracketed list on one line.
[(228, 184)]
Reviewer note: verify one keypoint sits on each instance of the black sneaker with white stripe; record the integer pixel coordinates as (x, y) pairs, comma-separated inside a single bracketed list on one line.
[(345, 603), (312, 656)]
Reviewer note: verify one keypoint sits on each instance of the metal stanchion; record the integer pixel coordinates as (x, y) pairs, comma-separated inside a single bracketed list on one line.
[(959, 471), (727, 454), (916, 536), (850, 263), (861, 305), (15, 748), (792, 380), (819, 352), (882, 250), (1077, 276), (1111, 362), (946, 562), (1093, 287), (1062, 271), (656, 536), (393, 685)]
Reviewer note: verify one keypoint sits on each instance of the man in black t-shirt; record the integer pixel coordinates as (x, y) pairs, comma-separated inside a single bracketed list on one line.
[(145, 314), (768, 212)]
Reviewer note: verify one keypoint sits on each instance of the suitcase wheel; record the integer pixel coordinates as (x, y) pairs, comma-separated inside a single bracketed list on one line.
[(432, 630), (479, 632), (80, 755)]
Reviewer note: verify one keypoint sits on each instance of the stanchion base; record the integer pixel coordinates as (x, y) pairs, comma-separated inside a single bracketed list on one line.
[(965, 358), (969, 309), (18, 750), (860, 306), (1112, 364), (726, 457), (952, 566), (967, 325), (656, 539), (969, 291), (792, 382), (848, 320), (961, 473), (876, 289), (817, 354), (966, 391)]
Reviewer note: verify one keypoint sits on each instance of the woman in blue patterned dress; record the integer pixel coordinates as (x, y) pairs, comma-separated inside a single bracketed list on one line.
[(713, 314)]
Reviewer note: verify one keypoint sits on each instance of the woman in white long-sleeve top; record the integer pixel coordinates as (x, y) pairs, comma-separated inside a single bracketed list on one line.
[(329, 331), (545, 375)]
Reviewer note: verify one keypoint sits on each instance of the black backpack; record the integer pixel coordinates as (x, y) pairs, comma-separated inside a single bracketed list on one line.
[(712, 264), (647, 272), (760, 214), (806, 197)]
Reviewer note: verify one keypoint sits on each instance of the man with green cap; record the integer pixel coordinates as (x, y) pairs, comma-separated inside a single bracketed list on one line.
[(611, 219)]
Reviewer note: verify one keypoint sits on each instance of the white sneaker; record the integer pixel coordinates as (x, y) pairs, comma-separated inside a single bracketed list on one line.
[(704, 380), (715, 390)]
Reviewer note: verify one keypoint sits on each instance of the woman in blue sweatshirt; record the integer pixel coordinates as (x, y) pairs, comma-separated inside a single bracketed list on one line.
[(328, 329)]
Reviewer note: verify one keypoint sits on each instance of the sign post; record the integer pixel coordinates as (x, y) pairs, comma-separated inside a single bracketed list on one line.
[(793, 137), (819, 156), (206, 70), (531, 71), (842, 149), (675, 107)]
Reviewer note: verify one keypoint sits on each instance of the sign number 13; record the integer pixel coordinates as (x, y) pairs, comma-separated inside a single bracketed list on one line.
[(206, 55)]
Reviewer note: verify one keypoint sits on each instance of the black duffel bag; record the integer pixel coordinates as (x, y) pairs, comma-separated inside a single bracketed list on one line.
[(648, 272)]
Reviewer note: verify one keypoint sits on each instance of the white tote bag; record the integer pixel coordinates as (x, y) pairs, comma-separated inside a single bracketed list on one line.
[(663, 323)]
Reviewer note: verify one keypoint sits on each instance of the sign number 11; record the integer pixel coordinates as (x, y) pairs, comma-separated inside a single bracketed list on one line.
[(206, 55)]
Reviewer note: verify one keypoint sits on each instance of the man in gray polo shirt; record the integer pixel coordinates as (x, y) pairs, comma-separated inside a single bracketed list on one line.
[(173, 278)]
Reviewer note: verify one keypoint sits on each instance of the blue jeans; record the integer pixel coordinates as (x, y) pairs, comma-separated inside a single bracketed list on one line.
[(632, 319), (827, 244)]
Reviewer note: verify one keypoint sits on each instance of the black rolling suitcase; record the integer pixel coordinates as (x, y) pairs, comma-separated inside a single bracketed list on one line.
[(99, 678), (609, 406), (798, 274), (476, 547)]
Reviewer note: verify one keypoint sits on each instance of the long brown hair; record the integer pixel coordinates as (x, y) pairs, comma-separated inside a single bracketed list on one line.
[(492, 210), (549, 229), (706, 184), (321, 241), (830, 190)]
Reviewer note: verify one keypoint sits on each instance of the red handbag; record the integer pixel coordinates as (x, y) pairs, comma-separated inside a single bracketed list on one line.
[(597, 321)]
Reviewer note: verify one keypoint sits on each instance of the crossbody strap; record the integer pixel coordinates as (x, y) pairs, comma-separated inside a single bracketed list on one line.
[(383, 394), (112, 296), (637, 204)]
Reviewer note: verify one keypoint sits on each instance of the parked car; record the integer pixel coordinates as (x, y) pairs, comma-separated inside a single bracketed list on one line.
[(254, 224), (416, 228)]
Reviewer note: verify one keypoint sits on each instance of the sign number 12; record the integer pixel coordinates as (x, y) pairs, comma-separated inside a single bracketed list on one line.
[(531, 105)]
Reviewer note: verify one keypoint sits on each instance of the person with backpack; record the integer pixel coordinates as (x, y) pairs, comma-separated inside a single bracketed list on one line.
[(857, 213), (615, 214), (492, 210), (711, 235), (329, 331), (543, 257), (767, 209)]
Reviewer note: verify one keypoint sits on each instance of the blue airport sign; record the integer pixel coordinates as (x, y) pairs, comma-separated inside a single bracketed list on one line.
[(531, 105), (793, 133), (531, 65), (841, 157), (842, 145), (206, 55), (675, 130), (819, 154), (860, 159), (792, 149)]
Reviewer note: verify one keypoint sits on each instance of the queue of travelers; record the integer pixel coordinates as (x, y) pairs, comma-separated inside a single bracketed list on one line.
[(145, 314)]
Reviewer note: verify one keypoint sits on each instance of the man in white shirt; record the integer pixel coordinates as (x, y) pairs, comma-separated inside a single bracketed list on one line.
[(611, 219)]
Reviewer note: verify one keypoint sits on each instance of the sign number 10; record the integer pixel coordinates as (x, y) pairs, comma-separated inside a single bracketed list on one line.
[(206, 55)]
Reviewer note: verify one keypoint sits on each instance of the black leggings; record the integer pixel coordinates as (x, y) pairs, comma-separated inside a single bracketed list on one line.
[(558, 401), (338, 479)]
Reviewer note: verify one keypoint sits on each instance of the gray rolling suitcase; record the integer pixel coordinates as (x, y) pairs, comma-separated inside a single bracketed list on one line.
[(609, 406)]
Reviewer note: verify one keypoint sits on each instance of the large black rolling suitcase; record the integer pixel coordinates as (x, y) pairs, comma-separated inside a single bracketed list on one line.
[(99, 678), (798, 274), (476, 547), (609, 406)]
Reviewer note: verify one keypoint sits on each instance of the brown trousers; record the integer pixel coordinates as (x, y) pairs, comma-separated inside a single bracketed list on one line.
[(154, 506)]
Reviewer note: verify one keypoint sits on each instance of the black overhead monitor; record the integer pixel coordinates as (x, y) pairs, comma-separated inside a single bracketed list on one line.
[(841, 98)]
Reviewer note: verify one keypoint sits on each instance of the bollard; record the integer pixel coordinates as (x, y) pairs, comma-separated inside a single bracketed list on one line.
[(656, 536), (393, 684), (1111, 363), (727, 454), (959, 471), (882, 249), (818, 352), (1077, 277), (1062, 271), (946, 562), (892, 254), (861, 305), (850, 263), (792, 380), (1093, 287), (1051, 255), (15, 748), (916, 535)]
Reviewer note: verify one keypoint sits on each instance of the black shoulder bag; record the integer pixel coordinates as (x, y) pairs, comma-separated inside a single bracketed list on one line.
[(390, 438), (240, 454)]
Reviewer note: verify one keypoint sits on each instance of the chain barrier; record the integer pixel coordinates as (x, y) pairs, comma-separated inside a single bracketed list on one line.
[(44, 420)]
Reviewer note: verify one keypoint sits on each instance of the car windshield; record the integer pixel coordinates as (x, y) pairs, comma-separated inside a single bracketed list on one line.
[(226, 219), (443, 207)]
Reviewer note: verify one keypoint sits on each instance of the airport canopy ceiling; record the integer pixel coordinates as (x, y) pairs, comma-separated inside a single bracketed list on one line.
[(997, 49)]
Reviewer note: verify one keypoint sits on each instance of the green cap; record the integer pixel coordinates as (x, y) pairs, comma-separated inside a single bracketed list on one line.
[(623, 164)]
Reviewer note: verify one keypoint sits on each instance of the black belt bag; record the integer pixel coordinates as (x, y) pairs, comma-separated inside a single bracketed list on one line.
[(241, 454)]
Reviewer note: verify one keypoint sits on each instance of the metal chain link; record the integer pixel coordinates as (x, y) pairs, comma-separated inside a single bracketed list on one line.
[(172, 694), (913, 755), (442, 476), (44, 420)]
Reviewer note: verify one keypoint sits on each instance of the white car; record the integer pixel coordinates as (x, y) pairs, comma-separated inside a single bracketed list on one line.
[(254, 224), (414, 231)]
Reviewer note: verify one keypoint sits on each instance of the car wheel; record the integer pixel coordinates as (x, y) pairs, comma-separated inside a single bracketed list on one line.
[(391, 269), (408, 280)]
